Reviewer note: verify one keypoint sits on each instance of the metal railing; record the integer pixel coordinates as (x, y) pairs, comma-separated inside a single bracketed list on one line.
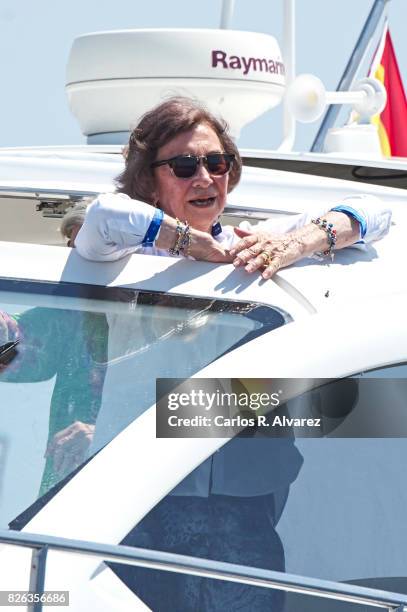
[(171, 562), (51, 202), (55, 202)]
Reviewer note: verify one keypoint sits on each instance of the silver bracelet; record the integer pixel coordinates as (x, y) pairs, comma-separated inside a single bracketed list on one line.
[(331, 235), (182, 240)]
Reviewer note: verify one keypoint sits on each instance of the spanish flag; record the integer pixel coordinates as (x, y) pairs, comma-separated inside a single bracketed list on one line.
[(392, 122)]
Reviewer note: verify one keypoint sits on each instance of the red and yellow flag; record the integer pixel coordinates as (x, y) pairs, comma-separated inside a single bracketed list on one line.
[(392, 122)]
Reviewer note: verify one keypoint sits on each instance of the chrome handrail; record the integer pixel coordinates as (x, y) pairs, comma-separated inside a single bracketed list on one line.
[(205, 568), (51, 202), (40, 193), (71, 196)]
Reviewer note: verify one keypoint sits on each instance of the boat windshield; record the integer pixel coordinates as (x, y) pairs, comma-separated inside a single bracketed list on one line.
[(85, 366)]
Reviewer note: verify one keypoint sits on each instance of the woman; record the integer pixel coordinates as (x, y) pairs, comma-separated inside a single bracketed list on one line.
[(180, 165)]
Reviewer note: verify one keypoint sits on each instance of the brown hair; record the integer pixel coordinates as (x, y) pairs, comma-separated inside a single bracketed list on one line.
[(74, 216), (155, 129)]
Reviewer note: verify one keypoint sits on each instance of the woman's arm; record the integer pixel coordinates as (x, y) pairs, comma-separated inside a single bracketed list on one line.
[(356, 220), (374, 218), (285, 249), (116, 226)]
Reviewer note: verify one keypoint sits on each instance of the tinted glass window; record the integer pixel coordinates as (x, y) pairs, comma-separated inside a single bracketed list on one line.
[(86, 365)]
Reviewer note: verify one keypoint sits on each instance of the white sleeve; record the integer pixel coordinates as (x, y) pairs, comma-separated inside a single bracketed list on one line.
[(375, 215), (115, 226)]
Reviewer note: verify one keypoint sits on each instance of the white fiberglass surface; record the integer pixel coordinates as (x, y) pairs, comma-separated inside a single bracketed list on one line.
[(89, 373)]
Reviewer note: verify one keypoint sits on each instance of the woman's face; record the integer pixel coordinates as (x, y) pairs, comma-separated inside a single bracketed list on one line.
[(200, 199)]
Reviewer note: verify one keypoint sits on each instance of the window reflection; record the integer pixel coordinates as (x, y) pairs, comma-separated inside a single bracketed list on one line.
[(94, 371), (69, 346)]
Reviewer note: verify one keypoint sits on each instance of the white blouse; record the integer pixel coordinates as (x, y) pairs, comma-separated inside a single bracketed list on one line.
[(115, 225)]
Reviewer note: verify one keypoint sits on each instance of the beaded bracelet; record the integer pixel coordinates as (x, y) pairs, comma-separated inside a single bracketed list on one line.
[(331, 235), (182, 240)]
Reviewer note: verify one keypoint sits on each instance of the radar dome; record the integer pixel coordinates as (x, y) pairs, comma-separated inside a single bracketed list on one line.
[(113, 78)]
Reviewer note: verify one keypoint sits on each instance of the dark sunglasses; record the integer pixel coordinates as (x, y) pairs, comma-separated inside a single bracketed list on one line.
[(185, 166)]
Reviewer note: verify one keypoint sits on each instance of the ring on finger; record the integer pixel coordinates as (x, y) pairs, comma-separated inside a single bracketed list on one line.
[(267, 257)]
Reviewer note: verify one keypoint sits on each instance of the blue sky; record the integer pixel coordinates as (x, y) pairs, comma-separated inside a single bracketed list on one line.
[(36, 37)]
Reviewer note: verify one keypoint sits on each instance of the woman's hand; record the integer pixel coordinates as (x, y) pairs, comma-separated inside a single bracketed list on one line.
[(271, 252), (69, 446), (267, 252), (202, 245)]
